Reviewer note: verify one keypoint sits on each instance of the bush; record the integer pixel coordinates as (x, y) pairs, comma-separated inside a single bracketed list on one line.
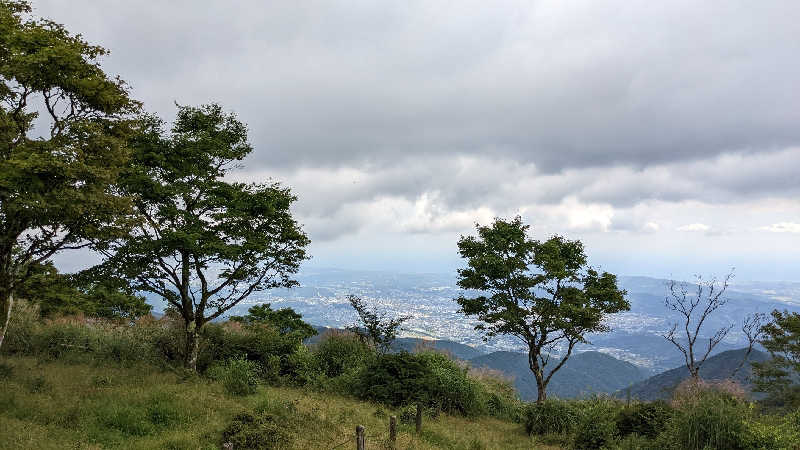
[(300, 366), (339, 353), (239, 376), (779, 435), (258, 342), (713, 420), (259, 430), (551, 416), (397, 379), (500, 399), (645, 419), (597, 428), (431, 379), (449, 387)]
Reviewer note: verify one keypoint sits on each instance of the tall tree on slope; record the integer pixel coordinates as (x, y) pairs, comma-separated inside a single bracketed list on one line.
[(542, 293), (204, 244), (57, 172)]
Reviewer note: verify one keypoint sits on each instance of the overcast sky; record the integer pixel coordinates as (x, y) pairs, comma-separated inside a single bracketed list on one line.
[(665, 135)]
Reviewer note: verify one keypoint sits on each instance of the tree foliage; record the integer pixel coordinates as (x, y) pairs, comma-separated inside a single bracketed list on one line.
[(57, 172), (83, 293), (540, 292), (285, 320), (204, 244), (779, 375), (375, 327)]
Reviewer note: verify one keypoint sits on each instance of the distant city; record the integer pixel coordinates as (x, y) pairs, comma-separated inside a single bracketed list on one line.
[(635, 335)]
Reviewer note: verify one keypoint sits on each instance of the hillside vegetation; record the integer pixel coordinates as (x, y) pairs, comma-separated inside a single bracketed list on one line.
[(55, 405), (718, 367), (73, 382)]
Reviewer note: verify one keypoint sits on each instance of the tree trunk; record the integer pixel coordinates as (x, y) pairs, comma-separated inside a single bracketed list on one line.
[(192, 345), (540, 390), (533, 363), (8, 303)]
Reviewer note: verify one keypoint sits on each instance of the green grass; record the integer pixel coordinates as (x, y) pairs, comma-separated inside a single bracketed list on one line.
[(51, 404)]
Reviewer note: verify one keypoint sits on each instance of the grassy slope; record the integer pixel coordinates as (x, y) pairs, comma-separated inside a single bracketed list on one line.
[(46, 405)]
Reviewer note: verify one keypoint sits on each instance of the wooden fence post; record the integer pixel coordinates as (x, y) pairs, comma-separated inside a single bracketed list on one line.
[(361, 440), (393, 429), (419, 417)]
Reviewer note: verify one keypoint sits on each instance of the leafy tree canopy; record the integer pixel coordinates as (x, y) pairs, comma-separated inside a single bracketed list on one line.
[(285, 320), (541, 292), (779, 376), (57, 171), (204, 244)]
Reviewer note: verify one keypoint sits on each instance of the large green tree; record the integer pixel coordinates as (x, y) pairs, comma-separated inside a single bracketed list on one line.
[(779, 375), (542, 293), (63, 130), (205, 243)]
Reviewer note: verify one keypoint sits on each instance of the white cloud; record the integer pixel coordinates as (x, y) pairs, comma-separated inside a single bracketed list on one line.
[(782, 227), (694, 227), (651, 227)]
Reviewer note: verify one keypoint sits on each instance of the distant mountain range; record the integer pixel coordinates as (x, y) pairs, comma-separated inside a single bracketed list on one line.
[(631, 352), (583, 374), (717, 367), (635, 335)]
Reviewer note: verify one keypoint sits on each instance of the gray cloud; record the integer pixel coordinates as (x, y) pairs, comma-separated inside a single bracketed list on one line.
[(554, 84), (425, 116)]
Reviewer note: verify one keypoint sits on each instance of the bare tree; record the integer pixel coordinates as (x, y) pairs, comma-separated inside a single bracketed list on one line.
[(752, 330), (695, 306)]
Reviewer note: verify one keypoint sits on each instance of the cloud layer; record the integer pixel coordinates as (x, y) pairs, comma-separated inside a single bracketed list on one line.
[(422, 117)]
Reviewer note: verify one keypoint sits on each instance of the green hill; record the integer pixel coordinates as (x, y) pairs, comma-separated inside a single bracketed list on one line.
[(584, 373), (717, 367)]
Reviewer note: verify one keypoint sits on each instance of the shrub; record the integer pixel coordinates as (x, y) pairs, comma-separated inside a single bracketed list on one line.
[(645, 419), (239, 376), (779, 435), (713, 419), (597, 428), (338, 353), (258, 431), (431, 379), (499, 398), (551, 416), (397, 379), (300, 366), (449, 388)]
